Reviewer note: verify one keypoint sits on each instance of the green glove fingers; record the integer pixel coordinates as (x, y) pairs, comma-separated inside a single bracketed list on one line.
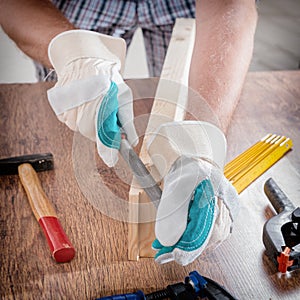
[(108, 125)]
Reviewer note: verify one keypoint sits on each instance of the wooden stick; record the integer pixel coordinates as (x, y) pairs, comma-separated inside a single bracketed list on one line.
[(169, 105)]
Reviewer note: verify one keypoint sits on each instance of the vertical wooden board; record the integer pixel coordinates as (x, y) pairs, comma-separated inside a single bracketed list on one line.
[(146, 229), (171, 94), (133, 228), (169, 105)]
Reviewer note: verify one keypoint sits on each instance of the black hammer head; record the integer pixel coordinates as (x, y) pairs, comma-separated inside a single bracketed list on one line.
[(40, 162)]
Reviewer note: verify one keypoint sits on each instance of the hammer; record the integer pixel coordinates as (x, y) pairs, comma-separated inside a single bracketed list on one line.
[(26, 166)]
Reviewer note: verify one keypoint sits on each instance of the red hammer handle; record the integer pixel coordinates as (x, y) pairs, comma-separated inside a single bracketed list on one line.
[(60, 246)]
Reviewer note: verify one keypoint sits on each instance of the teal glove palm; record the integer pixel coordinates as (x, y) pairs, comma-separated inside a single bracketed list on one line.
[(196, 211), (108, 124), (200, 221)]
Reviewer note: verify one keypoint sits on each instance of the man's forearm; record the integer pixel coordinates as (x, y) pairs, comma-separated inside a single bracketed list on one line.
[(222, 53), (32, 24)]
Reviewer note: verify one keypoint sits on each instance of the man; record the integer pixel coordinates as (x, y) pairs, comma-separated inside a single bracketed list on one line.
[(198, 204)]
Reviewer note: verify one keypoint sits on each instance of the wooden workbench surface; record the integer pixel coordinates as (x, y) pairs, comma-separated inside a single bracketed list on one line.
[(270, 103)]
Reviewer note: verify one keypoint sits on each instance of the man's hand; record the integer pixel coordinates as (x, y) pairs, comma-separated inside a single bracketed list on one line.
[(198, 203), (90, 95)]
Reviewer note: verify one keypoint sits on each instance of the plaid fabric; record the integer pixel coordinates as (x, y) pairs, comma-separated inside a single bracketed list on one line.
[(121, 18)]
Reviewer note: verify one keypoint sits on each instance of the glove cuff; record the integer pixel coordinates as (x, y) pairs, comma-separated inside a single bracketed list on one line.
[(74, 44), (195, 139)]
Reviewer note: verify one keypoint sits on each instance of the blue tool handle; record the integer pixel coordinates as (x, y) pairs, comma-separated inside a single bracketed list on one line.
[(139, 295)]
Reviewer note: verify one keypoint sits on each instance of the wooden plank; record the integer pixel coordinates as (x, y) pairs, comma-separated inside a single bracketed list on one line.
[(171, 94), (133, 228), (169, 105)]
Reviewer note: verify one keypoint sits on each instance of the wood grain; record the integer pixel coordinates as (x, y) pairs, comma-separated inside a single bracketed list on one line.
[(270, 102), (39, 202), (171, 95)]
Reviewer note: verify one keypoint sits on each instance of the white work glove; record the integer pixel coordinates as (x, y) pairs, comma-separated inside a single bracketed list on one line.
[(90, 95), (198, 203)]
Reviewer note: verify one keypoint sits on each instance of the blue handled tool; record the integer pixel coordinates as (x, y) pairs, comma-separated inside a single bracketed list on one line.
[(192, 288)]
